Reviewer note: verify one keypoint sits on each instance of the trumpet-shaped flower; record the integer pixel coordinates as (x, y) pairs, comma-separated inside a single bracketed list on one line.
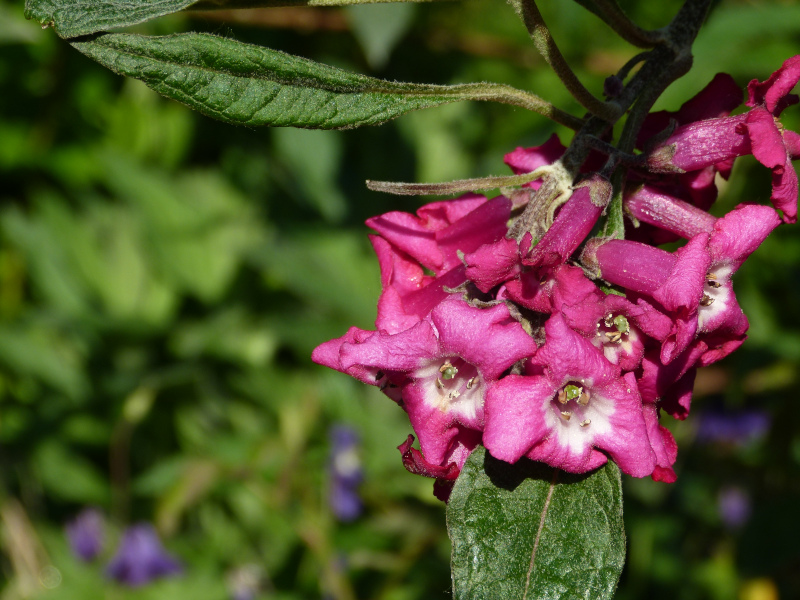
[(439, 369), (570, 408), (700, 144)]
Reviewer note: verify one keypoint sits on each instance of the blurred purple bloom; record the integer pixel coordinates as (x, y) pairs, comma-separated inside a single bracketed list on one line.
[(140, 557), (734, 506), (86, 534), (345, 473), (732, 427)]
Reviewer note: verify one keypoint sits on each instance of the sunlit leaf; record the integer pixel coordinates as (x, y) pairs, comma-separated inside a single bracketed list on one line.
[(528, 531), (250, 85)]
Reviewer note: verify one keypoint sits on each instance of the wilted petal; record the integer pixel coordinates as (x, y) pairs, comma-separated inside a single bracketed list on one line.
[(663, 445), (772, 92)]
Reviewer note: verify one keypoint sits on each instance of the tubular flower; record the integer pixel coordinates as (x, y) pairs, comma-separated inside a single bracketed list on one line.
[(569, 409), (703, 143), (564, 348)]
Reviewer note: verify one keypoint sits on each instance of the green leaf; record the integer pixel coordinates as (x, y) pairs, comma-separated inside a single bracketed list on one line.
[(250, 85), (528, 531), (73, 18)]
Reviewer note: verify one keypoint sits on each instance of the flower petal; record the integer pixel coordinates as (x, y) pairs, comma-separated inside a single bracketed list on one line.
[(515, 415)]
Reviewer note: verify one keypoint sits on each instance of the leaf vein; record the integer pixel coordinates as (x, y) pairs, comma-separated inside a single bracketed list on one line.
[(539, 532)]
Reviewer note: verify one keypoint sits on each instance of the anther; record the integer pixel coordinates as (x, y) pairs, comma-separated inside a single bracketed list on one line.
[(584, 399), (565, 414), (439, 384), (706, 300), (586, 423), (471, 382)]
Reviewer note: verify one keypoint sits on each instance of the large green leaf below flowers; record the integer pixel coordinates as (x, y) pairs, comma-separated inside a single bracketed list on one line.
[(531, 532)]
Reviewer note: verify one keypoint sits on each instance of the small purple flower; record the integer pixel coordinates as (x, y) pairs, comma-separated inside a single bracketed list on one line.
[(86, 534), (345, 472), (734, 506), (141, 558), (438, 370), (736, 428)]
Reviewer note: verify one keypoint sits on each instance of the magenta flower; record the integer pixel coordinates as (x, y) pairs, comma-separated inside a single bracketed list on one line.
[(439, 369), (434, 239), (492, 264), (670, 385), (408, 294), (570, 408), (441, 230), (504, 260), (721, 96), (674, 280), (701, 144), (732, 239), (658, 207)]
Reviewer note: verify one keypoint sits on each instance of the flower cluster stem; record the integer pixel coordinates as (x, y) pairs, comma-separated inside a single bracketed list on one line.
[(610, 12), (530, 15)]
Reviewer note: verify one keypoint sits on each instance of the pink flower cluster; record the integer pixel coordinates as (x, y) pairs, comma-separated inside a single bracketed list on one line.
[(566, 349)]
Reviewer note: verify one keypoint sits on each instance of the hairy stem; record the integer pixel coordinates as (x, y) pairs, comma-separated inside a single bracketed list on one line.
[(530, 15), (452, 187), (505, 94)]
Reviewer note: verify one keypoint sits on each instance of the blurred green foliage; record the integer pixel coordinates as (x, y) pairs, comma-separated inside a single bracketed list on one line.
[(164, 278)]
